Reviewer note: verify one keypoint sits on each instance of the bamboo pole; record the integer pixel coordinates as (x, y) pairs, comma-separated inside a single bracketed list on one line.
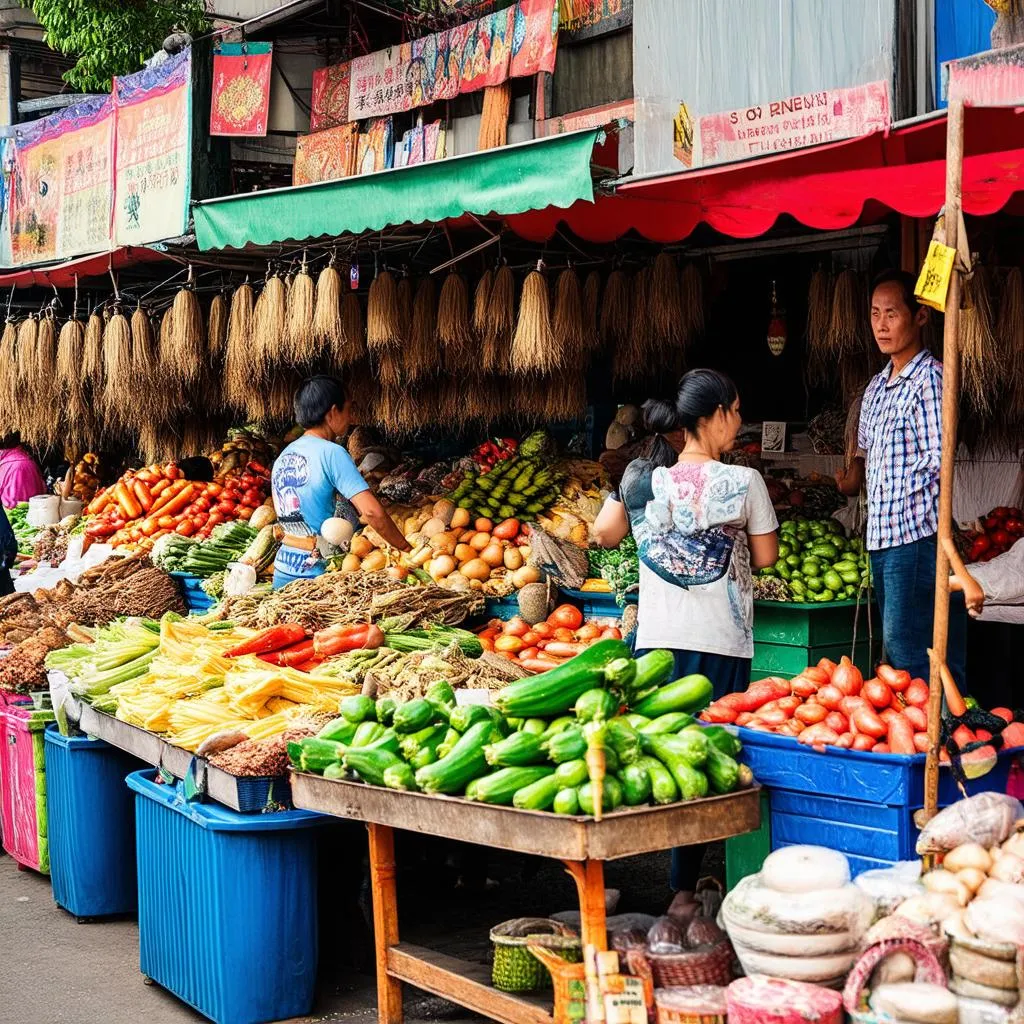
[(950, 406)]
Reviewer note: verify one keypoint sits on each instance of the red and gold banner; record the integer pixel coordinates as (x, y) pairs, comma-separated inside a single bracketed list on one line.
[(326, 155), (240, 102), (329, 102)]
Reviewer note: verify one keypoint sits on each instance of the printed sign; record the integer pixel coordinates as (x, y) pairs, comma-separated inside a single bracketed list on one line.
[(329, 103), (326, 155), (153, 152), (422, 144), (791, 123), (377, 146), (534, 38), (240, 100), (488, 51), (88, 185), (992, 79)]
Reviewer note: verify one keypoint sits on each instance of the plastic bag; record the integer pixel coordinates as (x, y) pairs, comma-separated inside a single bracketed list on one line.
[(628, 938), (889, 887), (665, 937), (987, 819)]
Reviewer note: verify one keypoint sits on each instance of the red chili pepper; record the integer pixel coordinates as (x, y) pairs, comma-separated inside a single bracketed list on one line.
[(274, 639), (329, 642)]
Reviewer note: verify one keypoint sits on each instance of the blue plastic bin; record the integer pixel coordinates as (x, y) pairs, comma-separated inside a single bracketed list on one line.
[(196, 599), (860, 803), (227, 904), (91, 825)]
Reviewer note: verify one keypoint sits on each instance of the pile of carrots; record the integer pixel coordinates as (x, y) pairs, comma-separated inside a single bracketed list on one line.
[(146, 504), (830, 705), (542, 646)]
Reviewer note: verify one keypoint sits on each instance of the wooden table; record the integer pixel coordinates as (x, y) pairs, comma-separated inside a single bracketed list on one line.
[(581, 843)]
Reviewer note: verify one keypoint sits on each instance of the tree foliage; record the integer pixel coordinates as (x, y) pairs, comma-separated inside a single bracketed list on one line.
[(112, 37)]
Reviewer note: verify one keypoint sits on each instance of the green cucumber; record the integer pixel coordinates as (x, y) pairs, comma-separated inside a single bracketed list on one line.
[(411, 744), (720, 737), (357, 708), (567, 745), (465, 762), (335, 771), (537, 796), (537, 726), (366, 733), (468, 715), (623, 739), (611, 795), (637, 721), (653, 669), (573, 773), (442, 696), (566, 801), (691, 693), (521, 748), (370, 763), (400, 776), (317, 754), (597, 705), (664, 789), (674, 721), (723, 773), (413, 716), (636, 784), (340, 730), (386, 710), (560, 725), (500, 787)]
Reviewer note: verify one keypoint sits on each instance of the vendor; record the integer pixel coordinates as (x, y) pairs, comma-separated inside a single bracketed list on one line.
[(899, 452), (310, 472), (20, 475)]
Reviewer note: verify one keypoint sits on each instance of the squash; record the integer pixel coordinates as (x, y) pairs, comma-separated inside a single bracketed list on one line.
[(492, 555), (476, 569), (445, 511), (263, 516), (433, 527), (374, 561), (361, 545), (335, 531), (460, 519)]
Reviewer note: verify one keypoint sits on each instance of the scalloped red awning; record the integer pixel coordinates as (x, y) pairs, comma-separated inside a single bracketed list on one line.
[(826, 188), (63, 275)]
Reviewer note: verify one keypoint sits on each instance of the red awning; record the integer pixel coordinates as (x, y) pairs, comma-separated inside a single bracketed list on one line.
[(826, 188), (63, 275)]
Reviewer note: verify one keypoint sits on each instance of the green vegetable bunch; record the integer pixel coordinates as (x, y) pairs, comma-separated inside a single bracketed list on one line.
[(818, 563), (619, 566)]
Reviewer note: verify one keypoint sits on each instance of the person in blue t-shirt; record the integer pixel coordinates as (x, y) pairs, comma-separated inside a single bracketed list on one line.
[(310, 472)]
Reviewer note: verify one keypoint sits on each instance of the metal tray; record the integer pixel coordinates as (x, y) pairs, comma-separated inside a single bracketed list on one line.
[(240, 793), (622, 833)]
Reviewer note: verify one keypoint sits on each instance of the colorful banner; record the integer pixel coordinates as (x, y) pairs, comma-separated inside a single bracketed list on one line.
[(326, 155), (422, 144), (329, 103), (377, 146), (240, 101), (585, 19), (792, 123), (153, 153), (516, 42), (993, 79), (61, 183)]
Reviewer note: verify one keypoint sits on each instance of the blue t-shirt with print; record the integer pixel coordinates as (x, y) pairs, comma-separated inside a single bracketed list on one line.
[(304, 480)]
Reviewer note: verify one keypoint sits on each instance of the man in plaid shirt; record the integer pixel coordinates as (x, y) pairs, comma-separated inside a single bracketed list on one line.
[(900, 442)]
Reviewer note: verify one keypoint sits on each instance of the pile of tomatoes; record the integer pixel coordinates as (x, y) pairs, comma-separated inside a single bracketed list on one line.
[(542, 646), (1000, 530)]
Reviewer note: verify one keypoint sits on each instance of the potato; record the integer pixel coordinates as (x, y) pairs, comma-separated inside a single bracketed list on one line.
[(479, 541), (476, 569), (374, 561), (492, 555), (460, 519), (512, 558)]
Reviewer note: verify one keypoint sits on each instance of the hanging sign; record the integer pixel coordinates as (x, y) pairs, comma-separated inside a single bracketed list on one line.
[(376, 146), (153, 152), (991, 79), (811, 119), (240, 102), (329, 102), (422, 144), (586, 19), (326, 155)]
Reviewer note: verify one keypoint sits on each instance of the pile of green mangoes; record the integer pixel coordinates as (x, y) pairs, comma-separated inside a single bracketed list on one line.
[(818, 562)]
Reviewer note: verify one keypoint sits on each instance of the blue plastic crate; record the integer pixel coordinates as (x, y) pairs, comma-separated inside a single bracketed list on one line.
[(227, 904), (860, 803), (196, 599), (91, 825)]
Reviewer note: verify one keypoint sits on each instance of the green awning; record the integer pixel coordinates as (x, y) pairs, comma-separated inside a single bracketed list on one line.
[(554, 171)]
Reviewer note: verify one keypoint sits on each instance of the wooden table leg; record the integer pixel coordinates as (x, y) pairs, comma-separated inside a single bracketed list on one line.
[(385, 920), (589, 878)]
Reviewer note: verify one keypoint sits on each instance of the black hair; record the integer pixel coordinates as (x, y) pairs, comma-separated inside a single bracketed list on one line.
[(197, 468), (701, 393), (315, 399), (906, 282), (12, 440)]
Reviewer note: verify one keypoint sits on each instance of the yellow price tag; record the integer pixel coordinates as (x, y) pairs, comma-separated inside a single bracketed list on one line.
[(933, 283)]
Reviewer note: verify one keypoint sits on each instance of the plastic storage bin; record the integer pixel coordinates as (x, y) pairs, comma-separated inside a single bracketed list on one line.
[(91, 825), (196, 599), (860, 803), (23, 785), (227, 904)]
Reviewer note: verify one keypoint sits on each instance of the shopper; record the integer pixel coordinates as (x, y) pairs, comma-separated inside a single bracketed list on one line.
[(700, 526), (899, 451), (20, 475), (8, 554), (308, 474)]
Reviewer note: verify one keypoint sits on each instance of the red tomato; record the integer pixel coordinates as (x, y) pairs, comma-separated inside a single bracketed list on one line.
[(567, 616), (1001, 539)]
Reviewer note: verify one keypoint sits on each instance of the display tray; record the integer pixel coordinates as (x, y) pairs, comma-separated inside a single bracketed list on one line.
[(240, 793), (626, 832)]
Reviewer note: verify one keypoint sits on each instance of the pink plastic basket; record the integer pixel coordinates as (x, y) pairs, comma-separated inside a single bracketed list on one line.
[(22, 786)]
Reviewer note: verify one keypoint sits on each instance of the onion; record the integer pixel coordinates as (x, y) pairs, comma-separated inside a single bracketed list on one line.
[(945, 882), (492, 555), (1009, 868), (433, 526), (477, 569), (442, 566), (973, 878), (967, 855)]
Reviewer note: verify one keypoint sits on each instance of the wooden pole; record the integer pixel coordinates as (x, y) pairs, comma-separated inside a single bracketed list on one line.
[(950, 405)]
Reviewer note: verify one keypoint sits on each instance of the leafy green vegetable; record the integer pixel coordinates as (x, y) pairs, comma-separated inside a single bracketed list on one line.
[(619, 566)]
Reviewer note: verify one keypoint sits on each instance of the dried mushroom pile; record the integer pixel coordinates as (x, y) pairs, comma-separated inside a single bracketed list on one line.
[(23, 670)]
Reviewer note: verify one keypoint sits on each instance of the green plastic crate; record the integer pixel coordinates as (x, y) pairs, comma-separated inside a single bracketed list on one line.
[(745, 854), (787, 660), (810, 625)]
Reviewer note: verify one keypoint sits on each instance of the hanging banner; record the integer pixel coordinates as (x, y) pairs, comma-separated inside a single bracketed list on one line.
[(7, 161), (422, 144), (329, 102), (62, 182), (240, 101), (586, 19), (377, 146), (153, 154), (516, 42), (792, 123), (326, 155)]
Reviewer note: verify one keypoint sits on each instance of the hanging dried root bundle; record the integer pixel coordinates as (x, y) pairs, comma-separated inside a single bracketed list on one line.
[(848, 325), (404, 292), (691, 302), (819, 319), (665, 301), (69, 377), (216, 328), (268, 327), (390, 371), (591, 311), (184, 356), (533, 345), (1010, 335), (565, 398), (240, 318), (46, 352), (9, 388), (383, 314), (28, 333), (300, 346), (327, 310), (143, 362), (633, 359), (92, 353), (119, 392), (980, 367), (501, 321), (454, 331), (421, 355), (616, 310), (481, 296), (351, 344), (567, 321)]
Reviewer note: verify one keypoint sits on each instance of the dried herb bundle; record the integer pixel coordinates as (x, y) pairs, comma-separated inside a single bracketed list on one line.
[(454, 331), (533, 345), (980, 367), (383, 313), (501, 321), (616, 310), (216, 327)]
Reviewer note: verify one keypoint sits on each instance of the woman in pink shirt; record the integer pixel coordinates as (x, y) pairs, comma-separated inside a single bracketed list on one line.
[(20, 476)]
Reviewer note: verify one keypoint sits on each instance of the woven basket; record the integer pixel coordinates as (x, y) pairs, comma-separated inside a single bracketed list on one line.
[(569, 982), (854, 997), (706, 966), (667, 1014), (513, 960)]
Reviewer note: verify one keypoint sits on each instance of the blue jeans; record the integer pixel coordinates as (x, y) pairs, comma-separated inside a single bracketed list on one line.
[(282, 579), (904, 582)]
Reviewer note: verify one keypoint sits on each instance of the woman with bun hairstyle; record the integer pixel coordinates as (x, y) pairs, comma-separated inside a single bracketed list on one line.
[(700, 526)]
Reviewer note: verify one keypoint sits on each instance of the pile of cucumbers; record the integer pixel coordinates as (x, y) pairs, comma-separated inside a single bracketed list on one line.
[(818, 563), (535, 748)]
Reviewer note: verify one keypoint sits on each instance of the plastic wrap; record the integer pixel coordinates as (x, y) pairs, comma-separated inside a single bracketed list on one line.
[(700, 1000), (760, 1000), (987, 819), (889, 887), (665, 937)]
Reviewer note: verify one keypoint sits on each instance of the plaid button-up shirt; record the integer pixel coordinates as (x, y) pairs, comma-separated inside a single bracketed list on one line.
[(900, 434)]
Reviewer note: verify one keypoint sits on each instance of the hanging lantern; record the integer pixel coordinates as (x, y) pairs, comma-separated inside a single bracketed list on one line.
[(778, 333)]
